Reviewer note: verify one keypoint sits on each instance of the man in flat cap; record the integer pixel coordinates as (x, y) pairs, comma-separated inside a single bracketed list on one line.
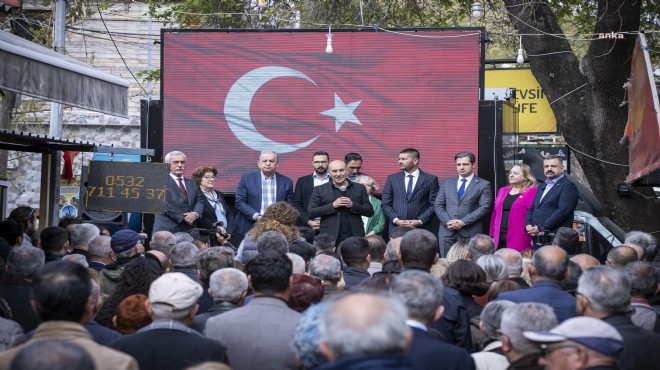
[(579, 343), (168, 342), (125, 244)]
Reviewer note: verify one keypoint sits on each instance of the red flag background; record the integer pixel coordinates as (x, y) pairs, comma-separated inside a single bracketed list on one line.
[(416, 89)]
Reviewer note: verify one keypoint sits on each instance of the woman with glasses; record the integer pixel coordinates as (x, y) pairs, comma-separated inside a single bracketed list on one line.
[(215, 206)]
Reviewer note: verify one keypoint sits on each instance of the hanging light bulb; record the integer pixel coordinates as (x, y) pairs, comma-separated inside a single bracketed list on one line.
[(262, 3), (328, 47), (477, 10), (521, 58)]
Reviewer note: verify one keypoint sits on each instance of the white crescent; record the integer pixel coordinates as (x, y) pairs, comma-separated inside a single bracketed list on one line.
[(239, 100)]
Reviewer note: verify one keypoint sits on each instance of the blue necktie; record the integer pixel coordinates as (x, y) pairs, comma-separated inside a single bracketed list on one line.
[(410, 184), (461, 190)]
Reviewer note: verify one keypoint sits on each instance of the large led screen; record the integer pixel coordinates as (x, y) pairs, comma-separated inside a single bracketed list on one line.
[(228, 95)]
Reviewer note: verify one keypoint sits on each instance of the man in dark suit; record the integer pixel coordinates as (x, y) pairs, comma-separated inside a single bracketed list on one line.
[(305, 185), (461, 203), (168, 342), (409, 195), (421, 293), (353, 166), (554, 203), (340, 204), (258, 190), (548, 268), (183, 198), (604, 293)]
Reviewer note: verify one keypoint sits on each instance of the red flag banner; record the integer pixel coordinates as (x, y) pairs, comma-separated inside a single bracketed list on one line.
[(228, 95)]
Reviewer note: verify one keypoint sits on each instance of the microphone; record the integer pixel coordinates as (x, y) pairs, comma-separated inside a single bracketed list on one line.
[(343, 190)]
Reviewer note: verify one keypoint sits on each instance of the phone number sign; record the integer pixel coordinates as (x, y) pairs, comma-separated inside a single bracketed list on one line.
[(126, 187)]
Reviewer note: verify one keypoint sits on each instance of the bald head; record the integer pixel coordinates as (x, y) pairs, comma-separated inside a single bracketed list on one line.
[(513, 259), (549, 263), (337, 170), (637, 248), (621, 256), (585, 261)]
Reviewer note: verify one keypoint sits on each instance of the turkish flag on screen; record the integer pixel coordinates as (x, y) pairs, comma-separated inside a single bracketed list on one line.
[(229, 95)]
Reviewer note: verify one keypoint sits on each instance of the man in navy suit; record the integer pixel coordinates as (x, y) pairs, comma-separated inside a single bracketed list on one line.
[(421, 293), (258, 190), (306, 184), (409, 195), (184, 202), (461, 203), (340, 204), (554, 203)]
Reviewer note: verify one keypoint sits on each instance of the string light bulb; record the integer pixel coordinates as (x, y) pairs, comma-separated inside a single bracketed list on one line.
[(328, 46), (262, 3), (521, 58)]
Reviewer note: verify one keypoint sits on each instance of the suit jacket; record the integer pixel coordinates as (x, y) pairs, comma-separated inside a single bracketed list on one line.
[(420, 205), (18, 293), (548, 292), (475, 203), (208, 216), (428, 353), (640, 346), (516, 236), (177, 205), (257, 335), (320, 205), (376, 223), (170, 349), (556, 208), (301, 197), (248, 198)]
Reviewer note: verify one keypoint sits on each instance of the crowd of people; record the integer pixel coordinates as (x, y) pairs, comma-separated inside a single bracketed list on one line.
[(324, 275)]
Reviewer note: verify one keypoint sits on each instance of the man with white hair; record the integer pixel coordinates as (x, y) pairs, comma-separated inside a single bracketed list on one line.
[(100, 252), (579, 343), (514, 264), (228, 288), (80, 238), (364, 331), (168, 342), (520, 351)]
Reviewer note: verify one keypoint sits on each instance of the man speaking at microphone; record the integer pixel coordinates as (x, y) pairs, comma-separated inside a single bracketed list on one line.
[(340, 204)]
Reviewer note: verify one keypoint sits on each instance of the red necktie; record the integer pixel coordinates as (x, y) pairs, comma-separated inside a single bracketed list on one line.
[(183, 188)]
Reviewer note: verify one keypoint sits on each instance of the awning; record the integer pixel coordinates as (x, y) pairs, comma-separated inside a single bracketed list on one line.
[(30, 69)]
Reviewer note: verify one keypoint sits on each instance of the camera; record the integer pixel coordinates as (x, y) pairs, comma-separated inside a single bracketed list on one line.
[(215, 230), (545, 237)]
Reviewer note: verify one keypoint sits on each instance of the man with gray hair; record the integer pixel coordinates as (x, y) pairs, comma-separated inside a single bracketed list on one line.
[(168, 342), (228, 287), (647, 241), (163, 241), (80, 237), (183, 258), (100, 252), (490, 320), (364, 331), (480, 245), (494, 266), (604, 293), (620, 256), (298, 263), (547, 269), (328, 270), (644, 288), (521, 352), (514, 264), (23, 263), (272, 240), (210, 260), (421, 293)]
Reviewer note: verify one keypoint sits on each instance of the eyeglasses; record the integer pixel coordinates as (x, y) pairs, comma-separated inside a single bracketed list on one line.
[(210, 177), (548, 348)]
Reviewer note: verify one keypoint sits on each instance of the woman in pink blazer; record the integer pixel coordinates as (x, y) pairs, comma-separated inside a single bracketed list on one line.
[(507, 225)]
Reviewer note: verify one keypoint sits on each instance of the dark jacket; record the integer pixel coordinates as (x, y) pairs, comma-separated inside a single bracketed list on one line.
[(556, 208), (641, 347), (548, 292), (17, 293), (354, 276), (397, 361), (428, 353), (454, 323), (221, 307)]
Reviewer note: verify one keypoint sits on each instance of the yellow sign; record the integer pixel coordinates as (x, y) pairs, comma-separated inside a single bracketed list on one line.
[(534, 114)]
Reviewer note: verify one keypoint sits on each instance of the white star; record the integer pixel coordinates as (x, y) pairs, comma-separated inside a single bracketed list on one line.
[(343, 112)]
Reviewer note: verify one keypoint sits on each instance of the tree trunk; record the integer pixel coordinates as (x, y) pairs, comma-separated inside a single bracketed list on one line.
[(586, 98)]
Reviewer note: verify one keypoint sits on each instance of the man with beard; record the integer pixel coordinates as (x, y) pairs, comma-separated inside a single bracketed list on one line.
[(554, 203), (340, 204), (306, 184)]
